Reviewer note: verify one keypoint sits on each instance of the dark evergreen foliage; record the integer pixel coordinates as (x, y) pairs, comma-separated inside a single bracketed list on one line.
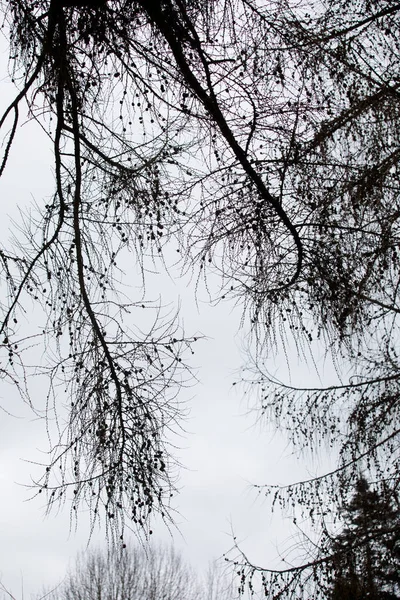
[(367, 552)]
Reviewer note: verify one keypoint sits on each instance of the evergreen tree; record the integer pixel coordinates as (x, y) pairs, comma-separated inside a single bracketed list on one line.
[(367, 563)]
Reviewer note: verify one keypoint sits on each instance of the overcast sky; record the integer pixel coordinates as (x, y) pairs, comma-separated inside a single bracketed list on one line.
[(222, 451)]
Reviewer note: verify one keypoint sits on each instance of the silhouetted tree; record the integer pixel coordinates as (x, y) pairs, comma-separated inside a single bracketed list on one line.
[(263, 139), (127, 83), (367, 551)]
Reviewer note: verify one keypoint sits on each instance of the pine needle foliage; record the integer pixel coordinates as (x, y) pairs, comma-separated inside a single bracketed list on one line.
[(367, 551)]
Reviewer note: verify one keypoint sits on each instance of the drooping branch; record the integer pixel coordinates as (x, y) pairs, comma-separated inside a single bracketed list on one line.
[(166, 22)]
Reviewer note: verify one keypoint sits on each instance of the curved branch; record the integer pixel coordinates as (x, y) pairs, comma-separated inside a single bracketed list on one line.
[(210, 103)]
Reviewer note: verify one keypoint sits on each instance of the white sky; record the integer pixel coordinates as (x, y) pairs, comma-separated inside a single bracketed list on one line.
[(222, 451)]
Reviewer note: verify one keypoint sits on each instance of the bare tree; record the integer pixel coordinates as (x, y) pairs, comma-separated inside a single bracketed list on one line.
[(106, 71), (220, 583), (140, 573), (153, 573), (288, 190), (335, 157), (113, 196)]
